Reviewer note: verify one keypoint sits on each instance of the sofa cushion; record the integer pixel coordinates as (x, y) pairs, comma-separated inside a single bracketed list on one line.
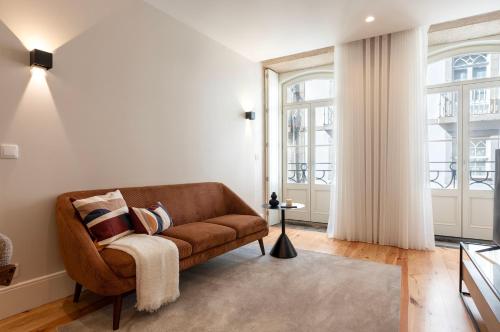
[(105, 216), (123, 264), (153, 220), (243, 224), (202, 235)]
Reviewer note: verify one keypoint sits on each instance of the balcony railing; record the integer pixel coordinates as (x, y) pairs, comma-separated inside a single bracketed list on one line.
[(443, 174), (297, 172), (478, 107)]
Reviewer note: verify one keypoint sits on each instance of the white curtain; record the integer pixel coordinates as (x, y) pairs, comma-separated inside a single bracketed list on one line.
[(380, 192)]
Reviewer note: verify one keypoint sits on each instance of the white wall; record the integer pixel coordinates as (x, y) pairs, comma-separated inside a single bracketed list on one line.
[(135, 98)]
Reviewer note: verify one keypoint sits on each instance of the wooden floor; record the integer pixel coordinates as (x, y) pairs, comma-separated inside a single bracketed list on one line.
[(429, 297)]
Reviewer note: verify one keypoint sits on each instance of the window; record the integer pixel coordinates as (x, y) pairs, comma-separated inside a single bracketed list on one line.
[(323, 140), (478, 149), (297, 145), (470, 66), (295, 93), (309, 90), (309, 117), (479, 101), (464, 67), (467, 102), (442, 110)]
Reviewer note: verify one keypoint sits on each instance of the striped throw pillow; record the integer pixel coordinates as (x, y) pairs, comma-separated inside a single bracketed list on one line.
[(106, 216), (153, 220)]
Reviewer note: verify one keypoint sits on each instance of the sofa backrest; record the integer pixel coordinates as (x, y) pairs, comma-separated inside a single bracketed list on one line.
[(185, 203)]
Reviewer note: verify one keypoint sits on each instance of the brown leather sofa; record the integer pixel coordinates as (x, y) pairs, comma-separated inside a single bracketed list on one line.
[(209, 220)]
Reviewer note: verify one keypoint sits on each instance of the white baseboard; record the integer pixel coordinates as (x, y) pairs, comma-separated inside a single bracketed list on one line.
[(32, 293)]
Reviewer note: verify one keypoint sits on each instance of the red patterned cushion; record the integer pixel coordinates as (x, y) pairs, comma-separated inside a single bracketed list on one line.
[(105, 216), (152, 220)]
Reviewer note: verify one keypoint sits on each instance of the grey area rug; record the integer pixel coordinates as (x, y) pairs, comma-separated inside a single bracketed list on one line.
[(243, 291)]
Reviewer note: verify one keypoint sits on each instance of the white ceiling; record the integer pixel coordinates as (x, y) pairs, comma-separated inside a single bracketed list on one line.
[(265, 29)]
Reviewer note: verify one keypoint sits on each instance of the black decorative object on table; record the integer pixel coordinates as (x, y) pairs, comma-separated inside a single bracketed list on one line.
[(273, 202), (283, 248)]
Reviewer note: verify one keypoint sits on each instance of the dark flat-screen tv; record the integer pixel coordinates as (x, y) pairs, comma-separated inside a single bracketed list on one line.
[(496, 210)]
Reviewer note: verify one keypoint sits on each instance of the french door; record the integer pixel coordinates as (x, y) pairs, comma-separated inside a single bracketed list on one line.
[(463, 132), (307, 166)]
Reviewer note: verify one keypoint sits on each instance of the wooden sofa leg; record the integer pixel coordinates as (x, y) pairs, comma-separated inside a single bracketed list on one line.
[(261, 244), (78, 291), (117, 310)]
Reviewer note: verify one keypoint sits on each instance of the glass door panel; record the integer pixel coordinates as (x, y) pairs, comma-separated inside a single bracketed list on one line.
[(443, 134), (484, 136), (322, 164), (307, 136), (297, 120), (481, 138), (442, 129), (297, 169), (323, 137), (297, 145)]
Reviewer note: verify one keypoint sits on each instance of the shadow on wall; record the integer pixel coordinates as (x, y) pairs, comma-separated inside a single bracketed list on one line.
[(14, 63), (49, 24)]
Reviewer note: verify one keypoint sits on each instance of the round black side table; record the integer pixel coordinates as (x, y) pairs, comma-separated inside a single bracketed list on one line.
[(283, 248)]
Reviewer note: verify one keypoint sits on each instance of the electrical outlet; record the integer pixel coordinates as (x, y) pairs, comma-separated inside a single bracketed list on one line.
[(16, 274)]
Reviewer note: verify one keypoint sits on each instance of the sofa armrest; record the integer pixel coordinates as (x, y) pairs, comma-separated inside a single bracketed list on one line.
[(236, 205), (82, 261)]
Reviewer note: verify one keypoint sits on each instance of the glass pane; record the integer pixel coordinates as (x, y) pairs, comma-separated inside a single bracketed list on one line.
[(324, 125), (459, 74), (323, 118), (297, 127), (464, 67), (297, 164), (323, 165), (442, 110), (479, 72), (484, 136), (295, 93), (318, 89)]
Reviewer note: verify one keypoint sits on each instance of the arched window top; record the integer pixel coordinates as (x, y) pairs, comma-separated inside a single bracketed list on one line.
[(470, 60), (308, 88), (469, 66)]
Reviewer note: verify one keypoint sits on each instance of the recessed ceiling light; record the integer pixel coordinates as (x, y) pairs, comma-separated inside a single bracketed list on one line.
[(369, 19)]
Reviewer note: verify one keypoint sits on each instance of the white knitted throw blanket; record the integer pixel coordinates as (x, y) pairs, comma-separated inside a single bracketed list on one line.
[(157, 269)]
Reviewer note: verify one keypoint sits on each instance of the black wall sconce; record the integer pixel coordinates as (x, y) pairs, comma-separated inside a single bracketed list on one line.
[(41, 59), (250, 115)]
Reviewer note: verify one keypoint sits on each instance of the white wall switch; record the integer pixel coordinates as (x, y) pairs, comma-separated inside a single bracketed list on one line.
[(9, 151)]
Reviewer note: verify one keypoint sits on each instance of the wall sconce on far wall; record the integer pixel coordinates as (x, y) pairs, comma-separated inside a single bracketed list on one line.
[(41, 59), (250, 115)]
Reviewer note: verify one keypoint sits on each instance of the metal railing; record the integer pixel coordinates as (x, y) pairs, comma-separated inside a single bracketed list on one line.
[(476, 107), (446, 177), (481, 173), (297, 172)]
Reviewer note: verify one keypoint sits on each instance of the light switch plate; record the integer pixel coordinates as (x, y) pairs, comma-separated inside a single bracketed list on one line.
[(9, 151)]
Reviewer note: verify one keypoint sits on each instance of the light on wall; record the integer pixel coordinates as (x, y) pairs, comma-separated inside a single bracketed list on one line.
[(41, 59), (250, 115)]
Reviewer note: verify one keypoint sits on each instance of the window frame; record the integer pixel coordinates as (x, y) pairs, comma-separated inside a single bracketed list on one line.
[(303, 77), (461, 85)]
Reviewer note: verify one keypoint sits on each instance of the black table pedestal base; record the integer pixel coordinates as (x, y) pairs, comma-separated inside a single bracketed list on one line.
[(283, 248)]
